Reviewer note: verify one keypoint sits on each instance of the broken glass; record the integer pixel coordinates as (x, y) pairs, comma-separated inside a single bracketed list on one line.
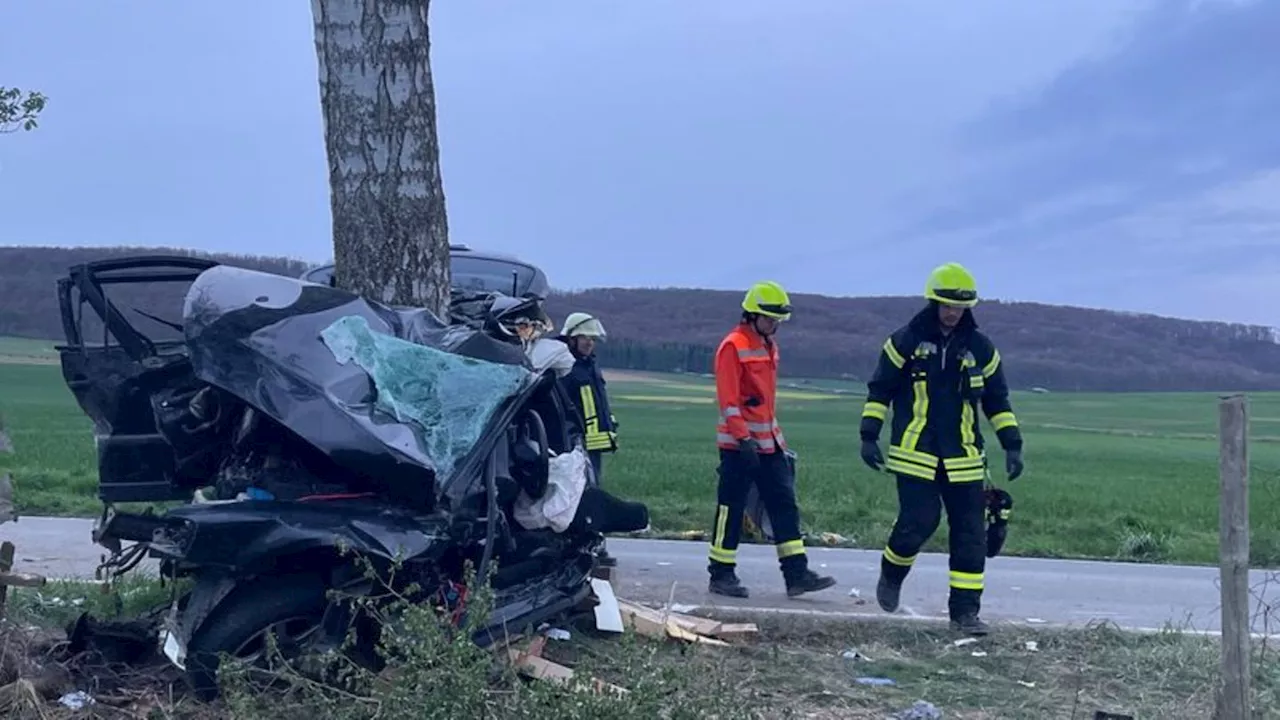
[(450, 398)]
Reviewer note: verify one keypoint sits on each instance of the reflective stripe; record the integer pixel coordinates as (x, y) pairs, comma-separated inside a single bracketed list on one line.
[(896, 559), (790, 548), (1004, 420), (990, 368), (915, 456), (718, 552), (902, 467), (895, 357), (966, 476), (966, 581), (967, 439), (964, 463), (731, 411), (596, 438), (919, 415), (762, 427), (875, 410), (766, 443), (752, 353), (601, 441)]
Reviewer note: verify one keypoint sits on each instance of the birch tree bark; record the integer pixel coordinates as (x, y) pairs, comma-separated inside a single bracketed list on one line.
[(390, 233)]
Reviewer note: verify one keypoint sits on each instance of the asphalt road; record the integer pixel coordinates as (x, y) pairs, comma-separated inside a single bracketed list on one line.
[(1019, 590)]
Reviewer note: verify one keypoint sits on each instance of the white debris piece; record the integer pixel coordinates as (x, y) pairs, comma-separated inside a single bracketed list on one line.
[(77, 700)]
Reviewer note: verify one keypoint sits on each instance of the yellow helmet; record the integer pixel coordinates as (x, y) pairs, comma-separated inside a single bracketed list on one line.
[(952, 284), (769, 299)]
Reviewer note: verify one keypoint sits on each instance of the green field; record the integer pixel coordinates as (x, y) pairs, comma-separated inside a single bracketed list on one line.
[(1108, 476)]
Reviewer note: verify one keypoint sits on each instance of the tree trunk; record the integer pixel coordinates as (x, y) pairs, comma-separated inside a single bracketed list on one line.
[(390, 234)]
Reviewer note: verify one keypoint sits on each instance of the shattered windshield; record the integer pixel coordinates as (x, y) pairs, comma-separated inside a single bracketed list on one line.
[(449, 397)]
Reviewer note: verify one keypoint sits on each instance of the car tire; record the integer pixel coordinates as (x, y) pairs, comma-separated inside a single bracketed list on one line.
[(243, 617)]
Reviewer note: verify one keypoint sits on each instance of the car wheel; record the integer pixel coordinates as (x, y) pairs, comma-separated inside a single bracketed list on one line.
[(290, 607)]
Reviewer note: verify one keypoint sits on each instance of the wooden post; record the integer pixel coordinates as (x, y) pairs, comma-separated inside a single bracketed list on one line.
[(1233, 529)]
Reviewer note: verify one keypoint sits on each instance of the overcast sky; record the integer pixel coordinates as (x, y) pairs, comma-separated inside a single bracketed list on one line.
[(1107, 153)]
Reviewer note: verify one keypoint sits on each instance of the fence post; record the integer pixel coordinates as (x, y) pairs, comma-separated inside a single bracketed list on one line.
[(7, 510), (1233, 531)]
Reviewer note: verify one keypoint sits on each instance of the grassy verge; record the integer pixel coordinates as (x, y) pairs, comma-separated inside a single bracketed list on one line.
[(1131, 477), (795, 668)]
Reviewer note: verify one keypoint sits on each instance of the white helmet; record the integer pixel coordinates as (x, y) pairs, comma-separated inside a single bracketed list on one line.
[(581, 323)]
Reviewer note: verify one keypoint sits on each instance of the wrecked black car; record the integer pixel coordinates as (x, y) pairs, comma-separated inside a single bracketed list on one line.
[(305, 427)]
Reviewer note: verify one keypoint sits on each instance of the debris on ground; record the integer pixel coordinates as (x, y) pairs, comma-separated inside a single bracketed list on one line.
[(965, 641), (557, 634), (530, 663), (854, 654), (875, 681), (1032, 646), (920, 710), (77, 700), (662, 624)]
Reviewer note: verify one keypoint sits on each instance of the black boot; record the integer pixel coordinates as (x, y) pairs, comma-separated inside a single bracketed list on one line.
[(963, 607), (724, 581), (807, 581), (969, 623), (888, 594)]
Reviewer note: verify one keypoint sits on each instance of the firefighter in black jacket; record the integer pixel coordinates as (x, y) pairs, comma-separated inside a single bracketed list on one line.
[(586, 386), (935, 372)]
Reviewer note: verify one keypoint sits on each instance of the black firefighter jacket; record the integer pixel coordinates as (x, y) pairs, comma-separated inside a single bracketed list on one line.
[(935, 384), (585, 384)]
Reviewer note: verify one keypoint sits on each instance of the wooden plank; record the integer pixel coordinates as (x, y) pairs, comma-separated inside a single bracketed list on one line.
[(678, 632), (12, 579), (1234, 702), (642, 620), (729, 630), (693, 623), (540, 668)]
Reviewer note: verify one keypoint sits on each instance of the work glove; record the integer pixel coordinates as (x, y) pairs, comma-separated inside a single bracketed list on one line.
[(750, 450), (1013, 463), (871, 455)]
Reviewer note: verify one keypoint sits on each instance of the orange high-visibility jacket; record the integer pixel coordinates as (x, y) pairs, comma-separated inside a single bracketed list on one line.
[(746, 390)]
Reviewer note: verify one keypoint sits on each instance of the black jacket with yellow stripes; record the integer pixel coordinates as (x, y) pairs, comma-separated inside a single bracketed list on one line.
[(935, 383), (585, 384)]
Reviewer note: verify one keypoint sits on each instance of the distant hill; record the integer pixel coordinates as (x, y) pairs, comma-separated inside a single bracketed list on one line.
[(1054, 347)]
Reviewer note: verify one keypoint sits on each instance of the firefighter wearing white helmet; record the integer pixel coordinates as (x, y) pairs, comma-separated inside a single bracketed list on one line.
[(586, 386)]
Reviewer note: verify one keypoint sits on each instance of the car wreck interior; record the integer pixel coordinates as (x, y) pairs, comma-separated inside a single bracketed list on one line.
[(280, 498)]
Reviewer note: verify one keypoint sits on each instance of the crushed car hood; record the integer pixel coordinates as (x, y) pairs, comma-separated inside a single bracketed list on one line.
[(391, 394)]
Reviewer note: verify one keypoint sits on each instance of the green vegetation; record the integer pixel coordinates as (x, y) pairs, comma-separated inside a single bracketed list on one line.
[(1124, 476), (23, 350), (793, 669)]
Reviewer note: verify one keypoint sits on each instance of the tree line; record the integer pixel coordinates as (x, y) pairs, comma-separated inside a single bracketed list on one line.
[(1053, 347)]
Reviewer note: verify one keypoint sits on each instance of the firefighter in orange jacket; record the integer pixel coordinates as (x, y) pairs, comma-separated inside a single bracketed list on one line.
[(752, 449)]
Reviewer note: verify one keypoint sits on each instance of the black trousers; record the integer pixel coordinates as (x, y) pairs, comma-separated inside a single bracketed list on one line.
[(775, 481), (920, 504)]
